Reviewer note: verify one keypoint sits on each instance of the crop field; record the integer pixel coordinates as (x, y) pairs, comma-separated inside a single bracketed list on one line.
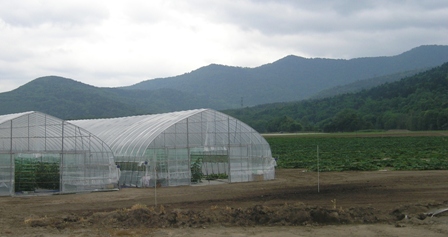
[(361, 151)]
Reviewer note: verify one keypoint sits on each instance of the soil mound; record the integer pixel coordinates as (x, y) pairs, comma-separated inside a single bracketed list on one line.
[(259, 215)]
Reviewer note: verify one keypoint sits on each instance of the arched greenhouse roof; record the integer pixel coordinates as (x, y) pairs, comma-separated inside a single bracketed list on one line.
[(8, 117), (37, 131), (131, 136)]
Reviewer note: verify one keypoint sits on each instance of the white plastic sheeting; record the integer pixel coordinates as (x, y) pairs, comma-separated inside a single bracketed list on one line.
[(31, 143), (164, 147)]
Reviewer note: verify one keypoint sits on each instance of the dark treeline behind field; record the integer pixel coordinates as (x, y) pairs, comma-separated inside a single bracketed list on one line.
[(419, 102)]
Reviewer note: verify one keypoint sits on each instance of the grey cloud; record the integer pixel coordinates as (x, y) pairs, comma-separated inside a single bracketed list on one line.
[(292, 17), (144, 12), (296, 17), (34, 13)]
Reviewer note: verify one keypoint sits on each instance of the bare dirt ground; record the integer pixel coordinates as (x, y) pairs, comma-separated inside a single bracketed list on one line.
[(381, 203)]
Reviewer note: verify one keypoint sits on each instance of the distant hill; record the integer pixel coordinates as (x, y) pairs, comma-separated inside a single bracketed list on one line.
[(69, 99), (63, 98), (291, 78), (419, 102)]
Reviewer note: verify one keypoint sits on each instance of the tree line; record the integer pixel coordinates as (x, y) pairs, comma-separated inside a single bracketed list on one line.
[(419, 102)]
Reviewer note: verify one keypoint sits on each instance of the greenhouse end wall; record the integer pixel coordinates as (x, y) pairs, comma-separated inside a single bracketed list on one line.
[(222, 146), (40, 153)]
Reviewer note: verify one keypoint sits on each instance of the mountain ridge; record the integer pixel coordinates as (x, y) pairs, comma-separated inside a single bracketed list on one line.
[(215, 86), (301, 77)]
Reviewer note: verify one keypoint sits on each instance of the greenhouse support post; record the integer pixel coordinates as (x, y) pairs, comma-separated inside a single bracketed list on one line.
[(61, 165), (229, 167), (155, 186), (12, 170)]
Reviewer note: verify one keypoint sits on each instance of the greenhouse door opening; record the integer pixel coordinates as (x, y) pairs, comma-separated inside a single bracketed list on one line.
[(36, 173), (209, 165)]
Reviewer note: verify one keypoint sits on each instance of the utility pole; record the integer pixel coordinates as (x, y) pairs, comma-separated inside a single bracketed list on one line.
[(318, 171)]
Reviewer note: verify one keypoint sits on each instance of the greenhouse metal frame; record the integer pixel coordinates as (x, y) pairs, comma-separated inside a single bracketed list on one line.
[(40, 153), (161, 149)]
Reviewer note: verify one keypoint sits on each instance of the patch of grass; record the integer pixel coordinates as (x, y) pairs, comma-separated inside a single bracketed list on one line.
[(138, 206)]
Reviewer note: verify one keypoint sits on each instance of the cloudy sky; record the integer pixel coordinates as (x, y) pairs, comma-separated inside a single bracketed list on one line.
[(109, 43)]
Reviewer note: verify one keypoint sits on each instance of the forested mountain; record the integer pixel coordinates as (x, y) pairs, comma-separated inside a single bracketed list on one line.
[(419, 102), (292, 78), (69, 99), (364, 84), (62, 98)]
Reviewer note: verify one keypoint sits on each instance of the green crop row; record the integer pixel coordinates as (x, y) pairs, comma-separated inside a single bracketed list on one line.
[(360, 153)]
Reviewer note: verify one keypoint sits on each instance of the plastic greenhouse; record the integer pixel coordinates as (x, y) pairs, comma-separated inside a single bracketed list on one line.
[(41, 153), (173, 149)]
